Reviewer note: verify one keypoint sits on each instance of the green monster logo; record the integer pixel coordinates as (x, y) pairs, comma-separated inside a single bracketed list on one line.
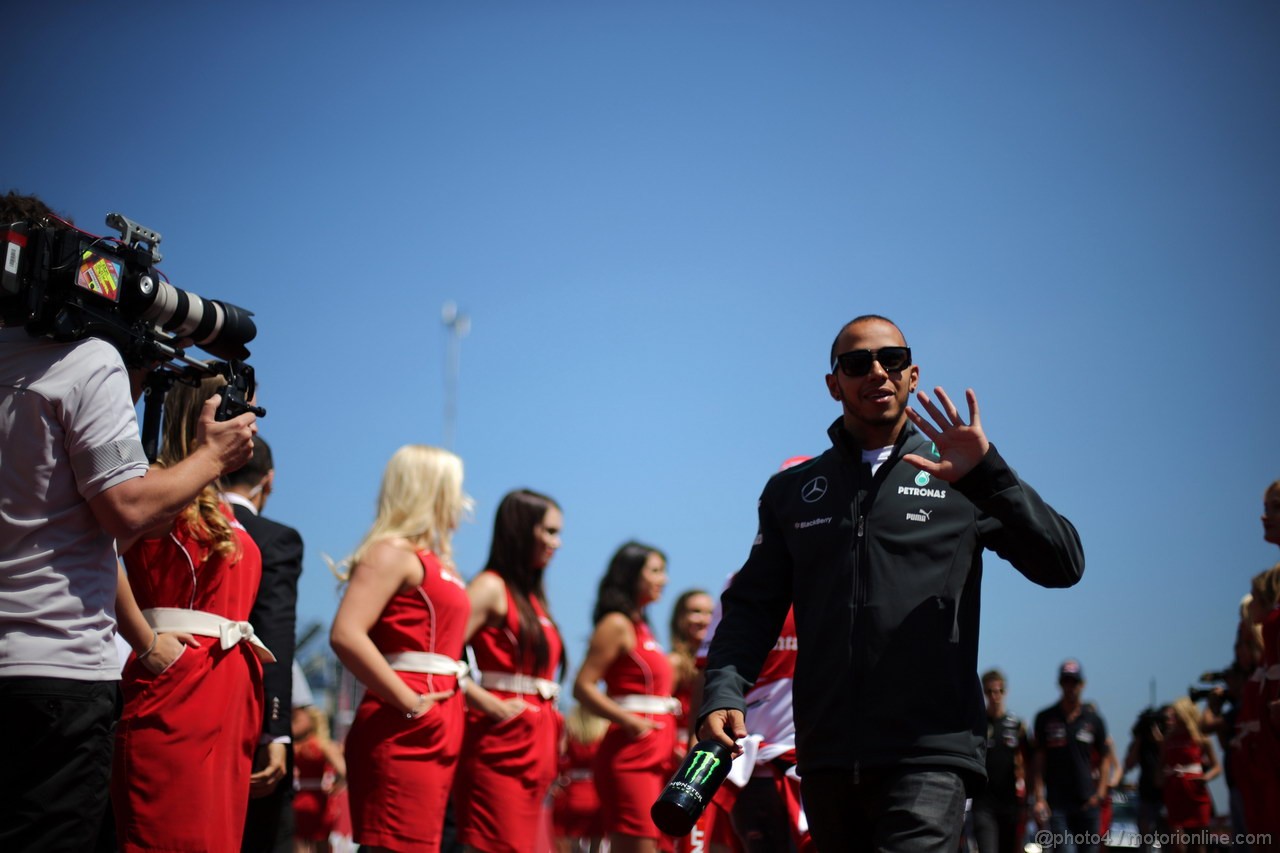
[(702, 765)]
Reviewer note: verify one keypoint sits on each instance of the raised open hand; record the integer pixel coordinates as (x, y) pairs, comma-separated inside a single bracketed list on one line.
[(960, 446)]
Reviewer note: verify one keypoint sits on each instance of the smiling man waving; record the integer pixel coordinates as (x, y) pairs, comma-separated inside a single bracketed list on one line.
[(878, 542)]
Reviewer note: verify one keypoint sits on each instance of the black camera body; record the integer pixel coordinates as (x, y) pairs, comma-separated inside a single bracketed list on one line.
[(71, 284), (67, 284)]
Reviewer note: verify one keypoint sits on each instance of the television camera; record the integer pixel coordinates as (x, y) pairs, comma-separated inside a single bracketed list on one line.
[(67, 284)]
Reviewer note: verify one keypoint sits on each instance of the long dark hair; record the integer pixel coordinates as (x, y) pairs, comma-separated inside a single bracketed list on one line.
[(511, 555), (618, 586)]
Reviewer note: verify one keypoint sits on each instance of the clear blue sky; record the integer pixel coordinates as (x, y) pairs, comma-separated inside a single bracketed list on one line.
[(658, 214)]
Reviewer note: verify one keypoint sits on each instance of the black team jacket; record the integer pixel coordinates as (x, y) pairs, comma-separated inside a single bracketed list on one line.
[(885, 573)]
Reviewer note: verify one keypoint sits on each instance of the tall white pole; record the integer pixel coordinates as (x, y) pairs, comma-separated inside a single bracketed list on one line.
[(458, 325)]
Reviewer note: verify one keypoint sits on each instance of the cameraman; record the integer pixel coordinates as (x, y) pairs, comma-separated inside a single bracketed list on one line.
[(1144, 753), (74, 482)]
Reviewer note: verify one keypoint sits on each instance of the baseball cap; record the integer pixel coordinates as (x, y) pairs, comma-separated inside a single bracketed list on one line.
[(1071, 668)]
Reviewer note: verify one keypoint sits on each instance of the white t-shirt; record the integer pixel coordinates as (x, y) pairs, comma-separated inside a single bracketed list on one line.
[(68, 432)]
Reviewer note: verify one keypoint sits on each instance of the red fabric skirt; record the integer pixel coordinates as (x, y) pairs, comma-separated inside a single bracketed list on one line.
[(184, 750), (399, 772), (503, 778), (631, 773)]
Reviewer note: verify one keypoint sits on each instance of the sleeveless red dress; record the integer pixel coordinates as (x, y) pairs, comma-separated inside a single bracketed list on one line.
[(185, 742), (630, 773), (507, 767), (1186, 797), (312, 820), (399, 770), (576, 813)]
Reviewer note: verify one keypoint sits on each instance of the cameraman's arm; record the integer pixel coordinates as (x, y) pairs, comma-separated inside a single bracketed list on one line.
[(138, 506)]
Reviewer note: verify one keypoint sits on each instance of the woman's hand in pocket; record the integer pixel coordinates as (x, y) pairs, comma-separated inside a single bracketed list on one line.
[(169, 647)]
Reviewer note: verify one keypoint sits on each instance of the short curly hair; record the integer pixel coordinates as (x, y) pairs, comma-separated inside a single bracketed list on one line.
[(16, 207)]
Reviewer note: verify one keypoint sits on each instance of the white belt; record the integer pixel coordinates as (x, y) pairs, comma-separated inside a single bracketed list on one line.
[(429, 663), (637, 703), (1186, 770), (202, 624), (1272, 673), (309, 785), (579, 775), (513, 682)]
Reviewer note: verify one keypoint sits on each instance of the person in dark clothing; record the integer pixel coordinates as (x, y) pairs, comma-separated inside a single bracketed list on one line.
[(1068, 797), (1144, 754), (997, 808), (878, 543), (269, 823)]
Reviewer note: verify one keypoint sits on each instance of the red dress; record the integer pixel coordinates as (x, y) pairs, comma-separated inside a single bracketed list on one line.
[(577, 807), (312, 818), (507, 767), (185, 742), (630, 773), (1186, 797), (1265, 757), (399, 770)]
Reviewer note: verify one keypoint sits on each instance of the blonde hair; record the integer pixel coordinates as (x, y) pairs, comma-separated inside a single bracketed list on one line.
[(584, 726), (1189, 715), (319, 723), (421, 500), (203, 517)]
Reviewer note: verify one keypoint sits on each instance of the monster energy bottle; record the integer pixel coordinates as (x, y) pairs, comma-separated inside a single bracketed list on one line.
[(693, 786)]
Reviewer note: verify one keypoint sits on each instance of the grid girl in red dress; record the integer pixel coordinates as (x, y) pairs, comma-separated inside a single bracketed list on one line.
[(636, 756), (185, 742), (511, 746), (399, 631), (1189, 764)]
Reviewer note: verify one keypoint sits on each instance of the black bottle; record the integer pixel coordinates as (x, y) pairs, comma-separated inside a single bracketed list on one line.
[(693, 786)]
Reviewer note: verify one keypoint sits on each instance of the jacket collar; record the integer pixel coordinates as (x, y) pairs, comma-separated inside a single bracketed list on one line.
[(848, 446)]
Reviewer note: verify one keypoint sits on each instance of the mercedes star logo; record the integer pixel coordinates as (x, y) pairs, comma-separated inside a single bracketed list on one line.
[(814, 490)]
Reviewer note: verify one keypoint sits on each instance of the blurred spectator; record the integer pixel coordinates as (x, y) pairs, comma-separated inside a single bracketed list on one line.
[(998, 815), (1144, 753), (576, 815), (1068, 796), (320, 772)]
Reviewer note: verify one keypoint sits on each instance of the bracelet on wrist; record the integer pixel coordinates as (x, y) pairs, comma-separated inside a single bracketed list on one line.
[(418, 709), (155, 635)]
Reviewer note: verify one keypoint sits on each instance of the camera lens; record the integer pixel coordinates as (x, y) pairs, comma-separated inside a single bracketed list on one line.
[(219, 328)]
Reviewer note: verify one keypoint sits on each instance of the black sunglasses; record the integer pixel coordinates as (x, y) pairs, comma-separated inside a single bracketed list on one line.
[(858, 362)]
